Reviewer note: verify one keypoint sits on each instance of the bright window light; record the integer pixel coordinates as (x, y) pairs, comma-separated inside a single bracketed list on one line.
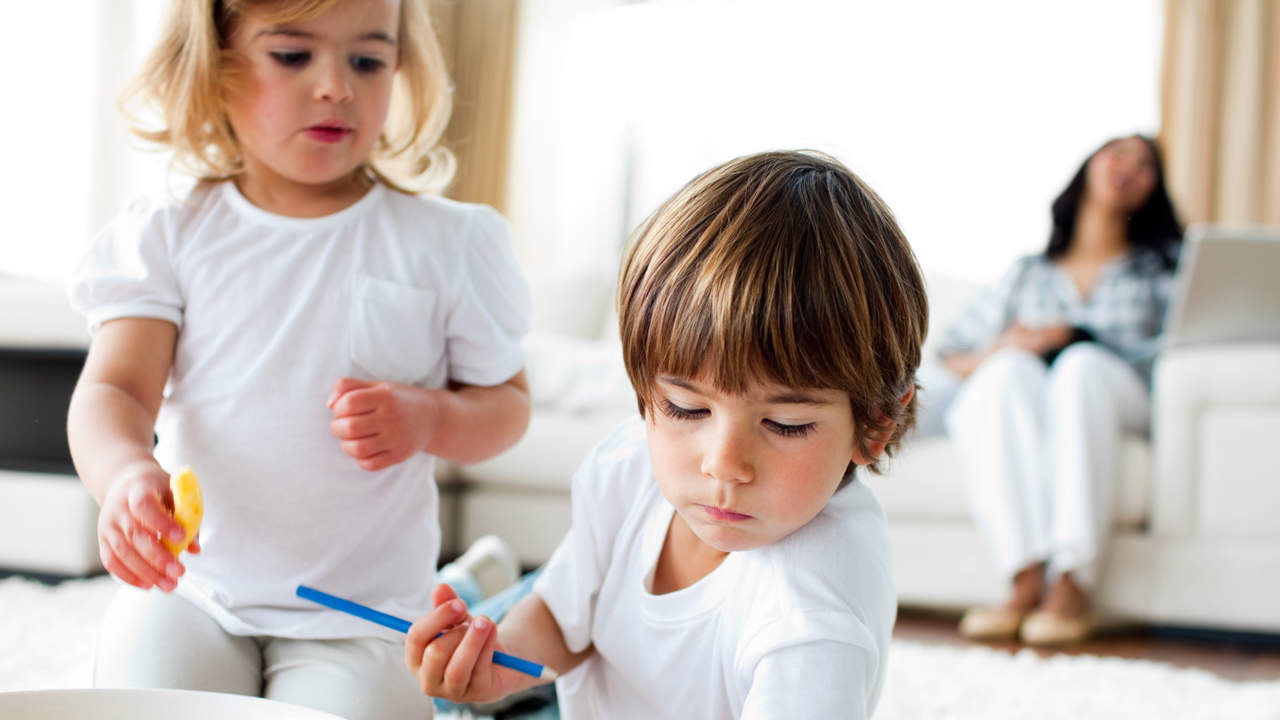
[(967, 117)]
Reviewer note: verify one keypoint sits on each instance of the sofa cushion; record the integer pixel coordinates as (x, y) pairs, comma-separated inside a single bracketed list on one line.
[(580, 392), (48, 524), (43, 318), (949, 295), (577, 377), (924, 482), (572, 300), (548, 454), (1237, 495)]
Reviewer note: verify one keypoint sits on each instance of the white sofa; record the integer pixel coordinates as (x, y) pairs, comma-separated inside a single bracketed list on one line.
[(48, 521), (1197, 541)]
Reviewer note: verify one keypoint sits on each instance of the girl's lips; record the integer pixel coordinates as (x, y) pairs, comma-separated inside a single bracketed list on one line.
[(725, 515), (327, 134)]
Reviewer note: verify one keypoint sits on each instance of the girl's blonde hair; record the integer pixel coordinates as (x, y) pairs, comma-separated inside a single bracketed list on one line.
[(189, 71), (782, 267)]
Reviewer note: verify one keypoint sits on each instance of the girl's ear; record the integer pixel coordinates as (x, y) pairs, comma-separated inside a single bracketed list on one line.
[(880, 438)]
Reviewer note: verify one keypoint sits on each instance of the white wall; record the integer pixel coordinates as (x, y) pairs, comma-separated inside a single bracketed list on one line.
[(71, 164), (49, 95), (967, 117)]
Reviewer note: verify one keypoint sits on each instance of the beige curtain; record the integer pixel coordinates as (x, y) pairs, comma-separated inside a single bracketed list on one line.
[(478, 38), (1221, 109)]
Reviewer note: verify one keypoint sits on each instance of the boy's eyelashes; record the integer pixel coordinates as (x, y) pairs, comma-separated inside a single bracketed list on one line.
[(677, 412), (681, 413), (789, 430), (299, 58)]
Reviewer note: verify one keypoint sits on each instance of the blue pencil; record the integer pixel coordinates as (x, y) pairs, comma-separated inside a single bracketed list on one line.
[(402, 625)]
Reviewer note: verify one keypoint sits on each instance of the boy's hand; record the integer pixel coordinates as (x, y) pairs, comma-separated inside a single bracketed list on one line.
[(381, 424), (458, 665), (134, 514)]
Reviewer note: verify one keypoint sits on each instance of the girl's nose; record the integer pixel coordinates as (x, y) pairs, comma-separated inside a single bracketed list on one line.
[(333, 84), (727, 455)]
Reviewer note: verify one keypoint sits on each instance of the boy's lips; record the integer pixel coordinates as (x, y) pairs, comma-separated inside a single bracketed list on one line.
[(724, 514)]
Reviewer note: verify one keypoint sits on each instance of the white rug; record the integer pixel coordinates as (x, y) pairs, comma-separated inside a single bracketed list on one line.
[(47, 637)]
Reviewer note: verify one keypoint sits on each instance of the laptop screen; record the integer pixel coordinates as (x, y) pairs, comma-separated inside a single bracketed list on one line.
[(1227, 289)]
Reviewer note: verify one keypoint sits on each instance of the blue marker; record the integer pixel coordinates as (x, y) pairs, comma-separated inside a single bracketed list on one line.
[(402, 625)]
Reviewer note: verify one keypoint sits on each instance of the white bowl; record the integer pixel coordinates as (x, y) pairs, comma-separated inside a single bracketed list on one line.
[(103, 704)]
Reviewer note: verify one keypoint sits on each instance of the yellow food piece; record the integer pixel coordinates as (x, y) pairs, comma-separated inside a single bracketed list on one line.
[(188, 506)]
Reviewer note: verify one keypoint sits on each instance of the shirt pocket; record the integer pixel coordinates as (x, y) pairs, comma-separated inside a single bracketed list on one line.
[(394, 332)]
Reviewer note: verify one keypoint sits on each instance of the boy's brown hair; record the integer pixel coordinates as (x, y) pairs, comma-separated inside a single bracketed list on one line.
[(780, 267)]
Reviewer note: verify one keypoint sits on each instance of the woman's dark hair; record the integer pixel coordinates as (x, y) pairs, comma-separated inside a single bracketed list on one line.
[(1153, 228)]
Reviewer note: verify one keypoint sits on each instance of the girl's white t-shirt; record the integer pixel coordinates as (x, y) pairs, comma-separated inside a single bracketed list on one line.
[(796, 629), (271, 311)]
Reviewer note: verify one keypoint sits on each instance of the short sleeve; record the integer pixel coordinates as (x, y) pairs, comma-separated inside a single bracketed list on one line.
[(984, 316), (839, 681), (570, 581), (611, 486), (492, 312), (128, 270)]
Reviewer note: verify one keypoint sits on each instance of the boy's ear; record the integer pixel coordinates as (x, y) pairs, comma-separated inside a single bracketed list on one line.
[(880, 438)]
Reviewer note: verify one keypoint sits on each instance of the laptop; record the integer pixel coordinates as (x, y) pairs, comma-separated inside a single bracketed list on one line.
[(1227, 288)]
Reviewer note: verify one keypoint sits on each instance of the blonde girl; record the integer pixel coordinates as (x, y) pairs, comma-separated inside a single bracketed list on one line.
[(308, 335)]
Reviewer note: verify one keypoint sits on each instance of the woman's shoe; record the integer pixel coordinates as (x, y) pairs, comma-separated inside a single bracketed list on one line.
[(991, 623), (1044, 628)]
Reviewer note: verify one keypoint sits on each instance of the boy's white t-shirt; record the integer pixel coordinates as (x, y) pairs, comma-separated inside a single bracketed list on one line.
[(797, 629), (271, 311)]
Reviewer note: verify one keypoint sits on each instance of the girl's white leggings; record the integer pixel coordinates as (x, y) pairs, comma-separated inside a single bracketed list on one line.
[(1041, 453), (150, 639)]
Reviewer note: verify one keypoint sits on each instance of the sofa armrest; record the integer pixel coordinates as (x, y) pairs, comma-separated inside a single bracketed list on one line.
[(1216, 422), (38, 315), (571, 300)]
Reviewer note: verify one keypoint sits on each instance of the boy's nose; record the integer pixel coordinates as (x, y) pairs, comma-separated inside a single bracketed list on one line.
[(727, 456)]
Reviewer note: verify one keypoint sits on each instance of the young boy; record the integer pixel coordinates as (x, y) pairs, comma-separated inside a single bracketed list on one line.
[(723, 560)]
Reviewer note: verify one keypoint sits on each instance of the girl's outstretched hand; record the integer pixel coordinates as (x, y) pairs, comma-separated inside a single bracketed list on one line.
[(381, 424), (458, 665), (134, 514)]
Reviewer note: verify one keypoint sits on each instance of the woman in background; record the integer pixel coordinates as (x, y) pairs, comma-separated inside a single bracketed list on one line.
[(1056, 359)]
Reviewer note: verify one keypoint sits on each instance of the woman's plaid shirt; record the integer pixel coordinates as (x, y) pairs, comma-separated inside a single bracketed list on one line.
[(1125, 310)]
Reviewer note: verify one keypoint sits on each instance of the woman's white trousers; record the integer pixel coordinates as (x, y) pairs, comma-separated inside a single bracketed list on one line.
[(1041, 449)]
